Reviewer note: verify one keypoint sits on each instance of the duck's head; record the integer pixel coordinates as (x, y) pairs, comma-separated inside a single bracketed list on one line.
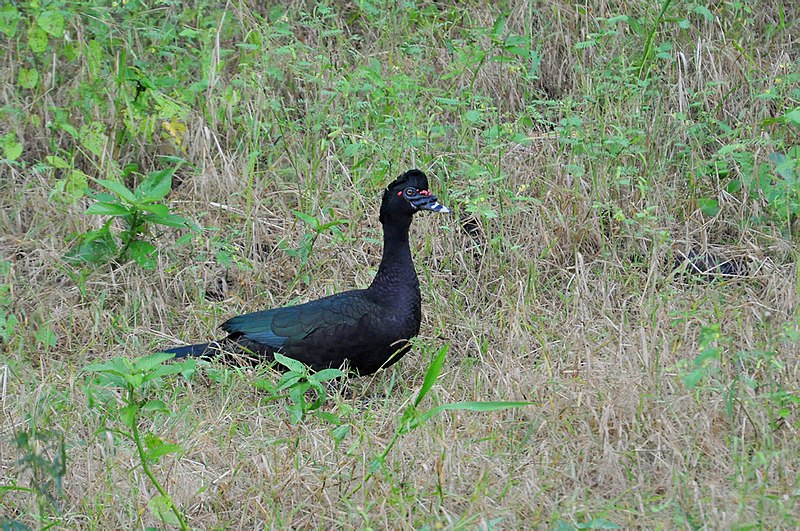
[(407, 195)]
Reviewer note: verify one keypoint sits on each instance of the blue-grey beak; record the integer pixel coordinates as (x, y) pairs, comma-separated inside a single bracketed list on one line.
[(425, 200)]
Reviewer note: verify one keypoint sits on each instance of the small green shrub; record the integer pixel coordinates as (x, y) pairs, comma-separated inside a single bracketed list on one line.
[(43, 455), (122, 415), (138, 210), (413, 418), (303, 387)]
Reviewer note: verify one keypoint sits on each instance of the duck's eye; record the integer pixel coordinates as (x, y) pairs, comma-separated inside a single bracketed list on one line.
[(411, 191)]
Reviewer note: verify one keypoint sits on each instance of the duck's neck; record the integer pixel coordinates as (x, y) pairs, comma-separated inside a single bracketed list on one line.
[(396, 272)]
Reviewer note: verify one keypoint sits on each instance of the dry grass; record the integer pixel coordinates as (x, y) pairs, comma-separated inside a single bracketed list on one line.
[(568, 298)]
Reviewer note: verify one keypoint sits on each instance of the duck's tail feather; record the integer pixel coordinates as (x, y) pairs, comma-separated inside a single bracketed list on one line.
[(206, 350)]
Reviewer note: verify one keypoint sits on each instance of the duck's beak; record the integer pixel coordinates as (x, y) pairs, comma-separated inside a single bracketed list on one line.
[(424, 200)]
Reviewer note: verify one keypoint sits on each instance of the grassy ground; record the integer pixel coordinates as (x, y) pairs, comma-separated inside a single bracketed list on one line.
[(595, 155)]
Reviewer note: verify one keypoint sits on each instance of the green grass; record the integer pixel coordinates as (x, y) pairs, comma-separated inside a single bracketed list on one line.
[(586, 153)]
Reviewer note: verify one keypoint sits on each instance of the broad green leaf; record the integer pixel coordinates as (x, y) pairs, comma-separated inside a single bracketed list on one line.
[(134, 380), (328, 374), (330, 224), (186, 238), (93, 137), (151, 440), (693, 378), (11, 146), (473, 116), (74, 186), (793, 116), (709, 334), (498, 27), (127, 414), (161, 509), (448, 101), (143, 253), (156, 447), (155, 405), (158, 452), (521, 138), (8, 323), (169, 220), (57, 162), (156, 185), (52, 22), (110, 366), (37, 39), (189, 33), (118, 189), (187, 367), (707, 354), (329, 417), (9, 19), (96, 367), (28, 78), (46, 336), (288, 380), (307, 219), (734, 185), (111, 379), (113, 372), (108, 209), (151, 361), (165, 370), (297, 393), (97, 246), (409, 421), (158, 209), (433, 373), (784, 166), (289, 363), (730, 148), (296, 412), (340, 432), (351, 150), (704, 12), (518, 45), (709, 206), (68, 128)]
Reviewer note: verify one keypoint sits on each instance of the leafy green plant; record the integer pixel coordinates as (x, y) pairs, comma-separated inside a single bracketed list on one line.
[(783, 190), (413, 418), (43, 454), (137, 209), (772, 181), (706, 363), (303, 387), (123, 413), (11, 147), (8, 321), (758, 370), (304, 250)]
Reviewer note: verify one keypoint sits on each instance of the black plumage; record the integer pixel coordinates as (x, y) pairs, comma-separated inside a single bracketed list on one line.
[(369, 328)]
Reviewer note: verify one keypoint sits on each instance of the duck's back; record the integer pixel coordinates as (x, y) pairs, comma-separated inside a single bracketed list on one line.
[(355, 325)]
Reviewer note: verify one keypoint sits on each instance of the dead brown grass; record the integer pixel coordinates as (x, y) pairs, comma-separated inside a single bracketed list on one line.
[(561, 301)]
